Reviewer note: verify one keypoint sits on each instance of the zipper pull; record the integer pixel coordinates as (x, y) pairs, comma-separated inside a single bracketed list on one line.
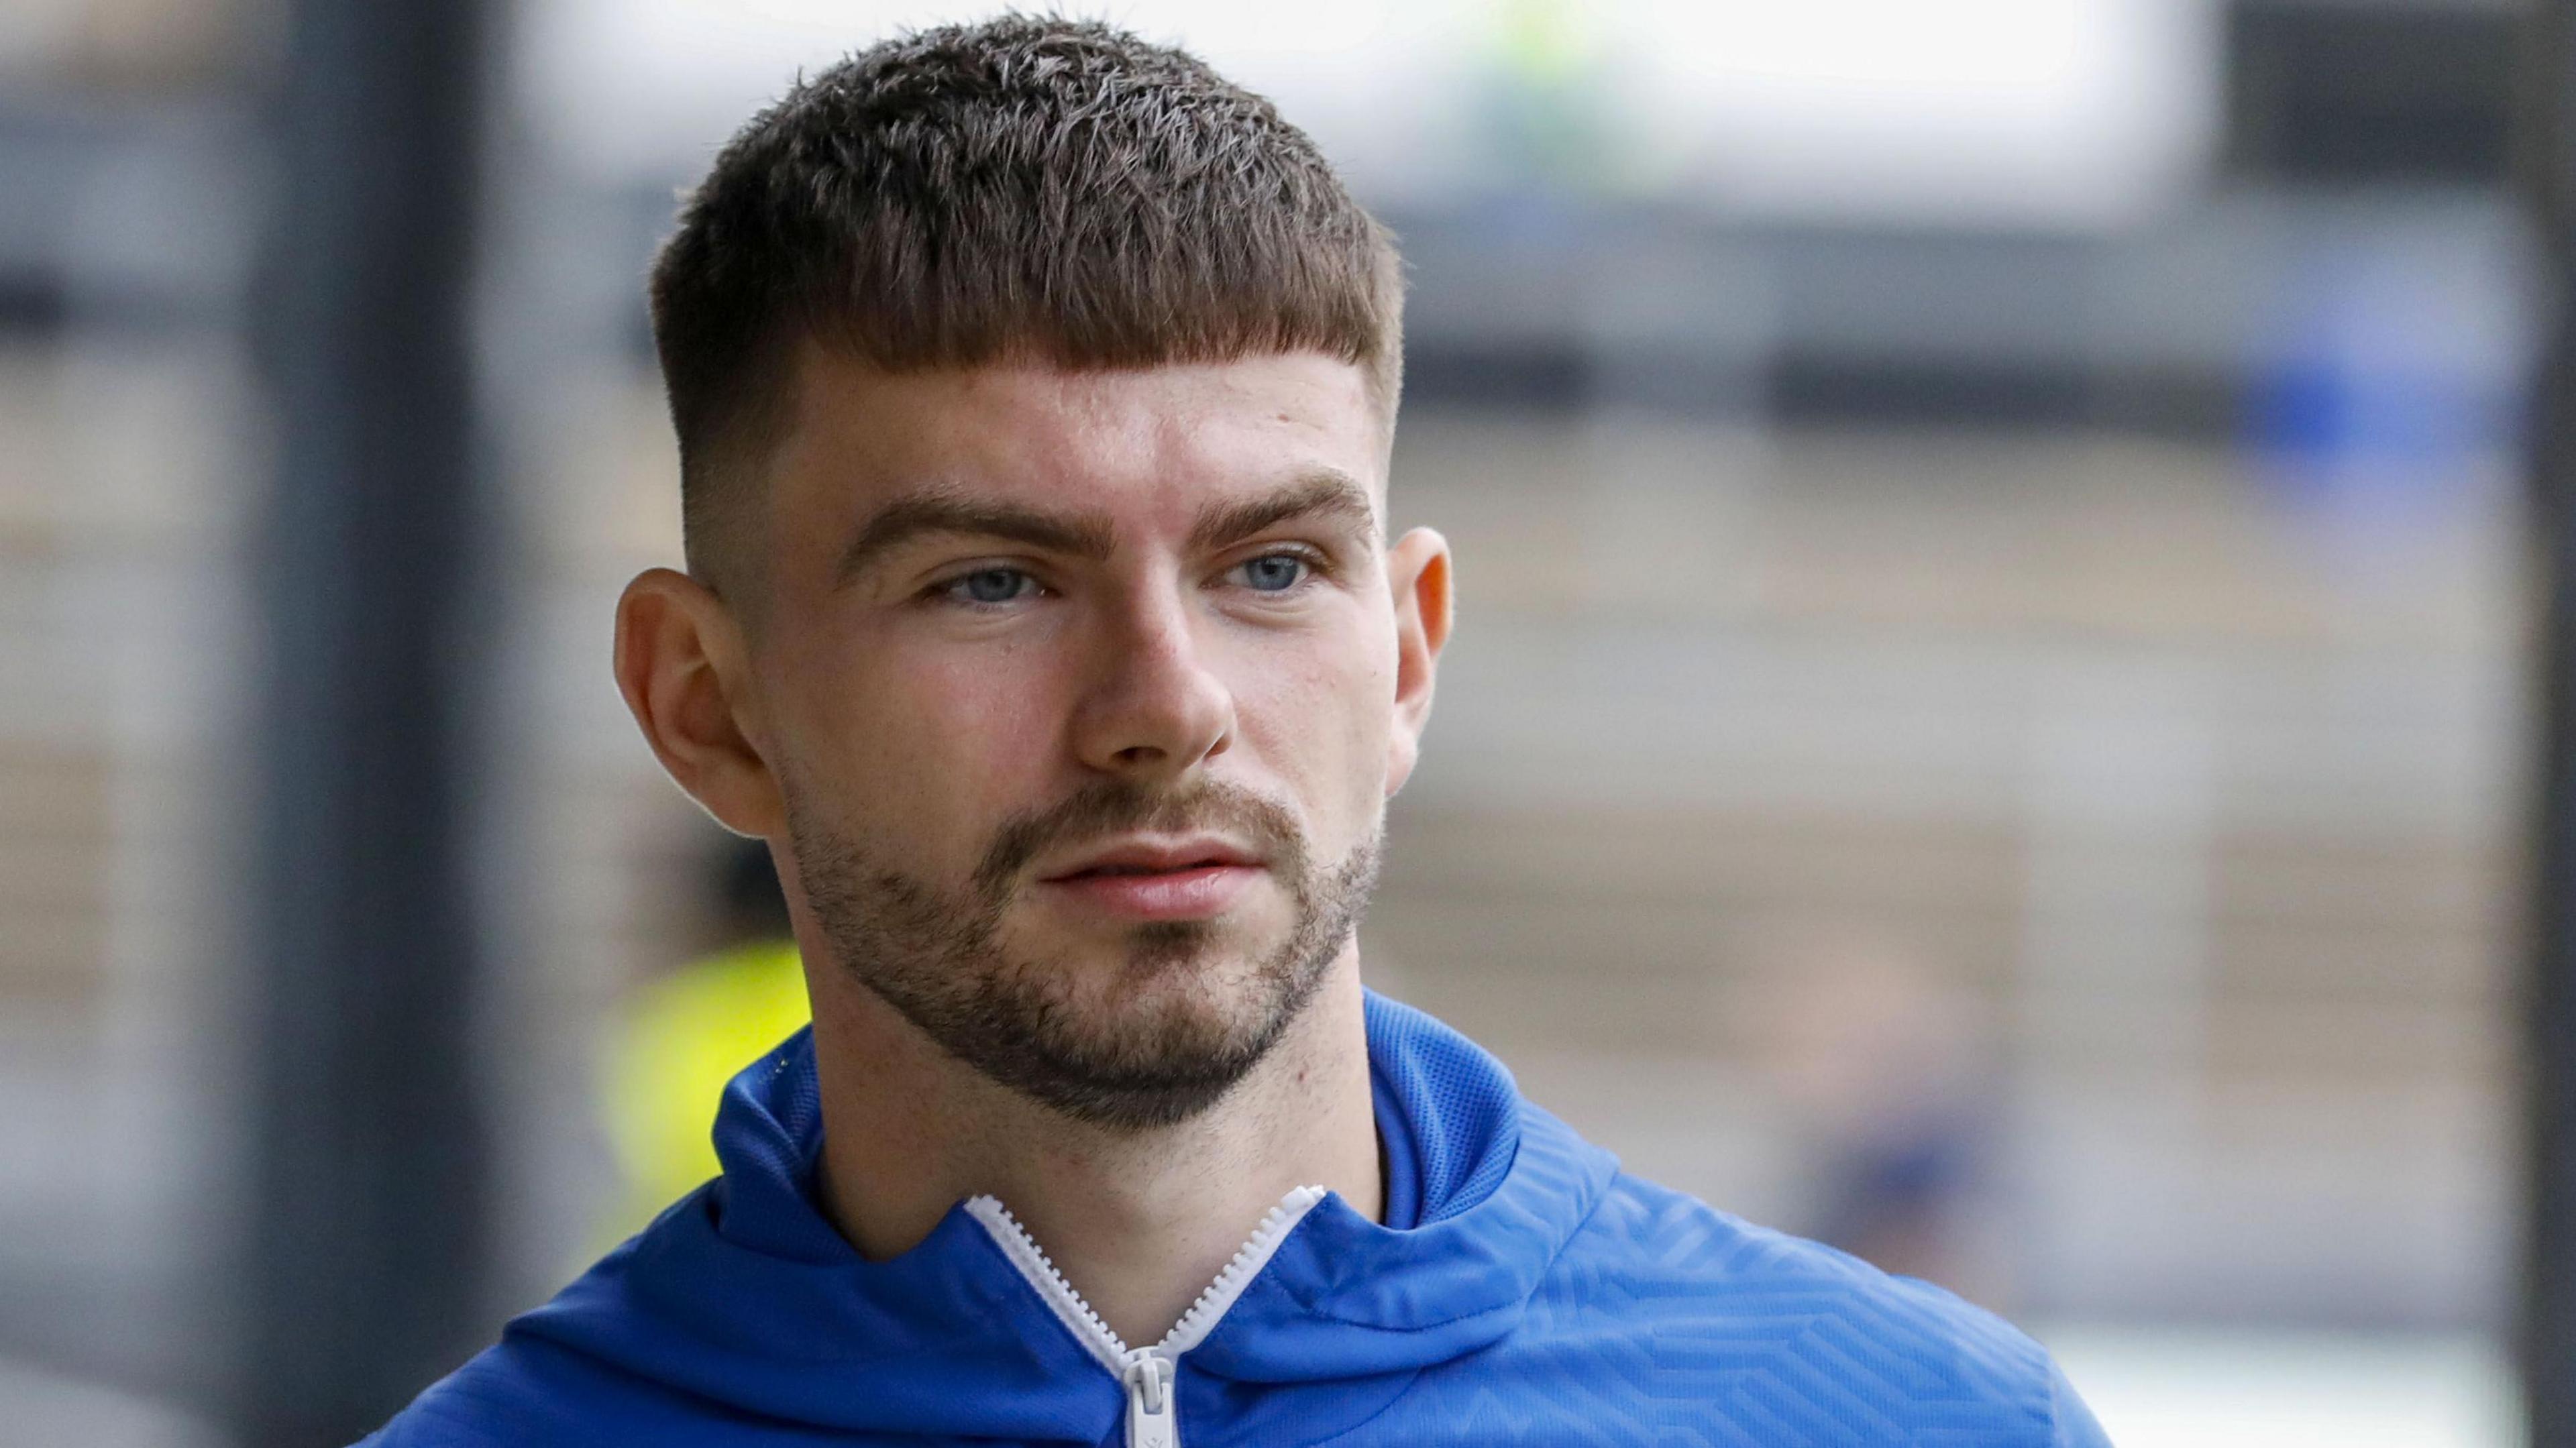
[(1152, 1421)]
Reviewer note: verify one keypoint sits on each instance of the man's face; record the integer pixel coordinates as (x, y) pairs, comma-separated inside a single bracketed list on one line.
[(1081, 692)]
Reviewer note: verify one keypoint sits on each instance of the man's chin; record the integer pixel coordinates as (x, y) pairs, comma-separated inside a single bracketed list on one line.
[(1192, 990), (1149, 1054), (1108, 955), (1145, 1035)]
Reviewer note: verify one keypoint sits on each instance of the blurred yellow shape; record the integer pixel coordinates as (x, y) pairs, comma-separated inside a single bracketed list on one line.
[(682, 1038)]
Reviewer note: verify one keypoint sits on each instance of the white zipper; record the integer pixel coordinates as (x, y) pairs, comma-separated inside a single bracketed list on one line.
[(1147, 1373)]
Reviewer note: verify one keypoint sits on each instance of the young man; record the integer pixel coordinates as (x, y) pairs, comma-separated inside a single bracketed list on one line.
[(1034, 389)]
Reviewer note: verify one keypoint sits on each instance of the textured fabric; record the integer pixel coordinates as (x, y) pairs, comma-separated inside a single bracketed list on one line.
[(1400, 1166), (1541, 1296)]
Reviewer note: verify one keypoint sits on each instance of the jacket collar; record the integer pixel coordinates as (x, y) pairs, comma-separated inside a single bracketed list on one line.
[(745, 1294)]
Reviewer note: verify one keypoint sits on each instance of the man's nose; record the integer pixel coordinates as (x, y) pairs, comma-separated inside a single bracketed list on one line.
[(1155, 708)]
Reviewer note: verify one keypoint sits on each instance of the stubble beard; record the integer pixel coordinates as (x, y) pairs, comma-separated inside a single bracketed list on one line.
[(1104, 1052)]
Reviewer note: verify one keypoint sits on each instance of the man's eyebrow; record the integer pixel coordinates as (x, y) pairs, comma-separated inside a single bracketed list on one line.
[(1325, 492), (1083, 535)]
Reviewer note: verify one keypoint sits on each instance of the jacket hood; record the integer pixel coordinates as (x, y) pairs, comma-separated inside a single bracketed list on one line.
[(744, 1295)]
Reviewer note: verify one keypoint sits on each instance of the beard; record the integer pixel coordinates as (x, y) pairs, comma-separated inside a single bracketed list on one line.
[(1103, 1048)]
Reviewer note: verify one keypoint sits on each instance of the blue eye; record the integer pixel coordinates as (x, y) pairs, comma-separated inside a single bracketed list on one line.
[(990, 585), (1274, 572)]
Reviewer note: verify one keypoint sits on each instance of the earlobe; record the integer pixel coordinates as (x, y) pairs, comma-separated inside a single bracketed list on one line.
[(1418, 573), (682, 666)]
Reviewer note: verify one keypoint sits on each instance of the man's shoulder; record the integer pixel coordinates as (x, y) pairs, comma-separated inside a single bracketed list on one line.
[(511, 1392), (527, 1392), (1708, 1309)]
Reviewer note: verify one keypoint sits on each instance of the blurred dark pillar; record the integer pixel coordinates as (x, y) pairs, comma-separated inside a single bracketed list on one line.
[(364, 1270), (2548, 1327)]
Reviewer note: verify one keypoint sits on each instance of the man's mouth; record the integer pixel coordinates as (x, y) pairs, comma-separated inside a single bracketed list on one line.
[(1099, 871), (1156, 880)]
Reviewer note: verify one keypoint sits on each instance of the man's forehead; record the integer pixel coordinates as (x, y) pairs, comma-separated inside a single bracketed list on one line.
[(1033, 429)]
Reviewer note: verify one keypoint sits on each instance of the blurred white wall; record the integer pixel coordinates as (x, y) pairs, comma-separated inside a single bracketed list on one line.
[(2058, 112)]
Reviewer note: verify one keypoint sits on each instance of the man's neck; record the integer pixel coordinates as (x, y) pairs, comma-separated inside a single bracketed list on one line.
[(1139, 1223)]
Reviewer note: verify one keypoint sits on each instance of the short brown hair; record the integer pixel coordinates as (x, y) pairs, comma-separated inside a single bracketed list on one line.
[(1025, 188)]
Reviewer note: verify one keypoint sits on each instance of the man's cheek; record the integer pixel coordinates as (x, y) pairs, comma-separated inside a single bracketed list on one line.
[(1320, 734), (985, 757), (1001, 682)]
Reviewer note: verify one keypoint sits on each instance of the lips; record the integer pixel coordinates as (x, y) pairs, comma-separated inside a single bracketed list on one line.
[(1156, 880), (1142, 858)]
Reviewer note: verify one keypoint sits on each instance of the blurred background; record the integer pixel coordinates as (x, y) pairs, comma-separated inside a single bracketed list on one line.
[(1992, 719)]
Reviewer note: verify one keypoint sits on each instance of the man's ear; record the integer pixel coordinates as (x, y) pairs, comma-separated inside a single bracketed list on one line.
[(1417, 570), (686, 675)]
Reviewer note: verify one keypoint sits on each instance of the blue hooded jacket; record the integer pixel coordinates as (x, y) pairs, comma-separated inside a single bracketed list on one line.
[(1531, 1293)]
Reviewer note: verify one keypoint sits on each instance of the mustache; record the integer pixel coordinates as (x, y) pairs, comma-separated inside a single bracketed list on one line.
[(1111, 807)]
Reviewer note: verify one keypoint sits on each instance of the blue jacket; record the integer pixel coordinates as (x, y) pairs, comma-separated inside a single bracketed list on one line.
[(1533, 1293)]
